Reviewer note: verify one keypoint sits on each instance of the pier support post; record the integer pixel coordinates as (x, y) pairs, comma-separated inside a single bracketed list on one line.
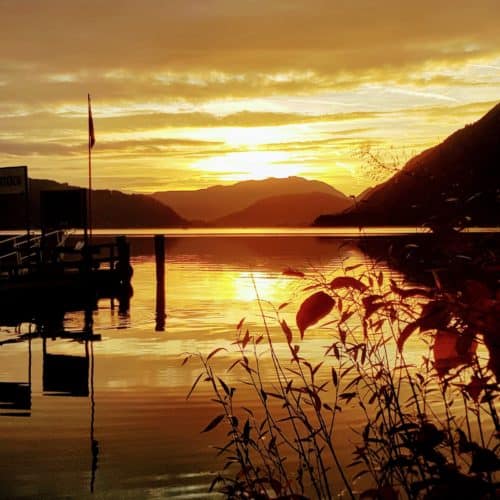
[(159, 240)]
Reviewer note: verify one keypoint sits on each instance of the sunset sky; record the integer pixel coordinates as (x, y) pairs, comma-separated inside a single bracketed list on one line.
[(191, 93)]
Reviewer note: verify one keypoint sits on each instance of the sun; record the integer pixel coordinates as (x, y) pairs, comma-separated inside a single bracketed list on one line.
[(247, 165)]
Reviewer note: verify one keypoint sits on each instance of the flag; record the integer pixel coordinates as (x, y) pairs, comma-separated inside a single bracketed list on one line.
[(91, 127)]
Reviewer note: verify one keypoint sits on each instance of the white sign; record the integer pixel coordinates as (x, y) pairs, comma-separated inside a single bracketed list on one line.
[(13, 180)]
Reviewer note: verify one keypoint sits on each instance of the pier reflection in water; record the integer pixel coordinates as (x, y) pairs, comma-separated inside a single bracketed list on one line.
[(62, 374)]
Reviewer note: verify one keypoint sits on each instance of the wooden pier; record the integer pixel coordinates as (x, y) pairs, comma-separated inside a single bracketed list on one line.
[(53, 271)]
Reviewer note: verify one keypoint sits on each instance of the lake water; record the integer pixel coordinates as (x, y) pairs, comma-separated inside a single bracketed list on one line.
[(130, 432)]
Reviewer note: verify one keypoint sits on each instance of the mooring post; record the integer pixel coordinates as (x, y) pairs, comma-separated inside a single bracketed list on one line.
[(124, 270), (160, 282), (123, 258)]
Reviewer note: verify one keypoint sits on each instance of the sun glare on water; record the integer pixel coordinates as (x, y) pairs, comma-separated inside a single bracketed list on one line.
[(266, 286)]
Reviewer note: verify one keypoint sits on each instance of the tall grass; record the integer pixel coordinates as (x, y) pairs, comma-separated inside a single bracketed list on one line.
[(430, 427)]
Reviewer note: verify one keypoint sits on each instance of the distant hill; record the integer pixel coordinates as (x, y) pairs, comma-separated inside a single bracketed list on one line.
[(110, 209), (286, 210), (457, 180), (219, 201)]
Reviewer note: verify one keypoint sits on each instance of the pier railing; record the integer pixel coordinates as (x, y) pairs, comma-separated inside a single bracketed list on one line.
[(17, 251), (52, 254)]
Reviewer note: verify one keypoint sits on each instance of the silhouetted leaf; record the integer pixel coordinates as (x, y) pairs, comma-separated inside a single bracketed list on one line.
[(213, 424), (215, 480), (316, 401), (446, 354), (336, 351), (464, 445), (248, 410), (428, 437), (314, 308), (406, 332), (276, 486), (347, 282), (372, 304), (492, 342), (215, 351), (334, 377), (345, 316), (380, 279), (351, 268), (311, 287), (224, 386), (194, 385), (465, 342), (484, 460), (409, 292), (286, 331), (435, 315), (316, 368), (237, 362), (476, 291), (475, 387), (366, 432), (240, 324), (342, 336), (347, 396), (275, 395), (246, 432), (293, 272)]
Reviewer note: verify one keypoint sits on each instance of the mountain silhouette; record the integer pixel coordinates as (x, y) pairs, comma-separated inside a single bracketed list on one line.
[(455, 182), (216, 202), (286, 210), (110, 209)]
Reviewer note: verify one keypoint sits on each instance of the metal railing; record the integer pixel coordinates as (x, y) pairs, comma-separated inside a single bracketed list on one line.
[(50, 253), (16, 250)]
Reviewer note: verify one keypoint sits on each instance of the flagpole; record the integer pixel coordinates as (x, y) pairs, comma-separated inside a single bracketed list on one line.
[(90, 144)]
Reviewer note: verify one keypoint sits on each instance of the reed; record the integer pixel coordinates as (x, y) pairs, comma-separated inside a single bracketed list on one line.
[(430, 427)]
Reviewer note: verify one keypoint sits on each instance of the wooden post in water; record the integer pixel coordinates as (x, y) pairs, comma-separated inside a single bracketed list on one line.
[(123, 258), (125, 273), (159, 240)]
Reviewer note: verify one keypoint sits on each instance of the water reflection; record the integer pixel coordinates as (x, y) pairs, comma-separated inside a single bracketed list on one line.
[(15, 396), (63, 375), (133, 398), (160, 314)]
